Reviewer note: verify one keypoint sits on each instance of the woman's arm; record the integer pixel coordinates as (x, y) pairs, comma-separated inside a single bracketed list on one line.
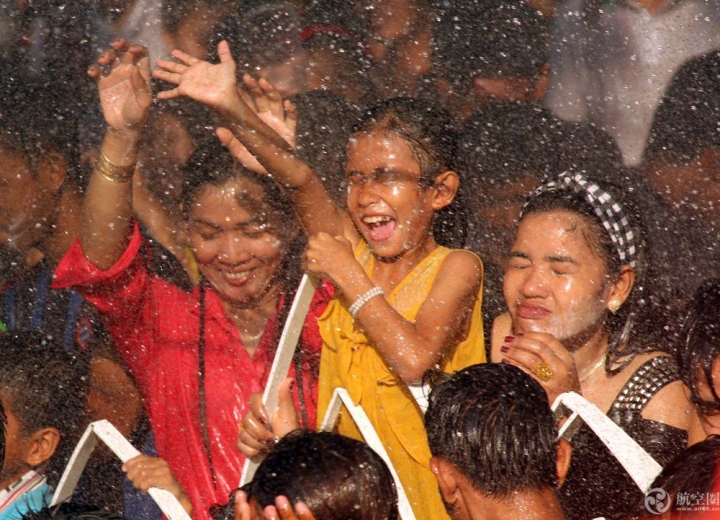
[(122, 74), (409, 348), (216, 87)]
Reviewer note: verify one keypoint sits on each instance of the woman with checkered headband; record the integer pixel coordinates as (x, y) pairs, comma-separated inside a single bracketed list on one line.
[(573, 284)]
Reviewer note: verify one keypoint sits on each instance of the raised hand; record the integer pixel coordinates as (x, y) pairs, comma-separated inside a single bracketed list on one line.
[(122, 74), (266, 102), (214, 85)]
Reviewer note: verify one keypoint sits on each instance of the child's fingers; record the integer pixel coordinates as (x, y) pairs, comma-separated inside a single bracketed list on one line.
[(184, 57), (133, 54), (169, 94), (169, 77), (224, 52), (303, 511), (261, 101), (270, 513), (241, 506), (246, 98), (290, 115), (171, 66), (273, 97), (284, 508)]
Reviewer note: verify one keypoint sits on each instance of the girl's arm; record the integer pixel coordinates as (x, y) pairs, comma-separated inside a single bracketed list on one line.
[(216, 86), (409, 348), (122, 74)]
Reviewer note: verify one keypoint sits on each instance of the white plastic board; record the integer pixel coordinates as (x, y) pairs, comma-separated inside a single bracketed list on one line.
[(120, 446), (637, 462), (341, 397), (284, 355)]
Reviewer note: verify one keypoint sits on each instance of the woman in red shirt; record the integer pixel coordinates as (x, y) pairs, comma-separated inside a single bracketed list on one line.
[(196, 356)]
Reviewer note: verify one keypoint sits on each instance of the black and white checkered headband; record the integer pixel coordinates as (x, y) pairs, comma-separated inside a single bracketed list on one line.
[(610, 212)]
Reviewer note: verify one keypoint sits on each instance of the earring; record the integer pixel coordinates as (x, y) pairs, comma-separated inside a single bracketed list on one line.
[(614, 306)]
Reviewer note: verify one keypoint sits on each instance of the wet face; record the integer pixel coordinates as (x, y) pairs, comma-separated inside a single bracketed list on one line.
[(235, 238), (27, 202), (554, 281), (390, 207)]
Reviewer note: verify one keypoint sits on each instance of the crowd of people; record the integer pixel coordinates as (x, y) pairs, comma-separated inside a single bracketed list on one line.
[(504, 201)]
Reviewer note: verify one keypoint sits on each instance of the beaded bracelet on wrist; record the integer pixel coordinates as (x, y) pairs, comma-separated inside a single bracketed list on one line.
[(358, 304)]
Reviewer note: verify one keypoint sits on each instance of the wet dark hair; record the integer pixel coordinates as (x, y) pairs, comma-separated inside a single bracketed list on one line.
[(699, 340), (325, 122), (493, 422), (36, 120), (489, 38), (260, 34), (686, 120), (693, 472), (431, 134), (67, 511), (45, 388), (337, 477)]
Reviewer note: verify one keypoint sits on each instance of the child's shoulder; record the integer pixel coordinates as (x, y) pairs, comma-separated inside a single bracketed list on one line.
[(463, 264)]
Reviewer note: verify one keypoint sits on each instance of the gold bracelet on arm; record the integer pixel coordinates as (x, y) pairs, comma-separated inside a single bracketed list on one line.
[(113, 172)]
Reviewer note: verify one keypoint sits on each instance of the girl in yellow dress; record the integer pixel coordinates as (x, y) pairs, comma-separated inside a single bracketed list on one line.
[(404, 304)]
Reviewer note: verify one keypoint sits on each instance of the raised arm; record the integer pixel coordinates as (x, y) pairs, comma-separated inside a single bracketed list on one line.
[(216, 87), (408, 347), (122, 74)]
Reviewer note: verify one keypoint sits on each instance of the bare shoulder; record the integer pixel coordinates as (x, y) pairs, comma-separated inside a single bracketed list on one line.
[(670, 405), (461, 264)]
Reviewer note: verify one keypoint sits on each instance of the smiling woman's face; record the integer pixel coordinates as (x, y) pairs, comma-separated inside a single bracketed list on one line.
[(235, 238), (554, 281)]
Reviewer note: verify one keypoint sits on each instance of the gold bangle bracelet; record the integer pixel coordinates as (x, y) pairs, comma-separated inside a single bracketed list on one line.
[(113, 172)]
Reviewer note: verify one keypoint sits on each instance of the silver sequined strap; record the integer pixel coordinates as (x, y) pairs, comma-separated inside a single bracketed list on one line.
[(647, 381)]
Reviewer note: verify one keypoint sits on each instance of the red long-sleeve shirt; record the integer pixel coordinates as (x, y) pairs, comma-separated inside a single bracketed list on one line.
[(156, 328)]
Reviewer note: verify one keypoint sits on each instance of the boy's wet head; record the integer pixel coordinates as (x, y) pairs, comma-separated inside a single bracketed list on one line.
[(42, 389)]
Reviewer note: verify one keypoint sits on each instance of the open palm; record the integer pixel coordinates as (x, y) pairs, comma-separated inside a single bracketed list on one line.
[(210, 84), (123, 80)]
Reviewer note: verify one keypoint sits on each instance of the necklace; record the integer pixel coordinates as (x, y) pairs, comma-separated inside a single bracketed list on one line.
[(594, 369), (252, 338)]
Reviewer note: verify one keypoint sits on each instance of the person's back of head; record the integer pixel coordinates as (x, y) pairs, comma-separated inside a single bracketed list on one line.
[(490, 430), (687, 481), (42, 389), (496, 49), (337, 477), (683, 151), (71, 512), (264, 39)]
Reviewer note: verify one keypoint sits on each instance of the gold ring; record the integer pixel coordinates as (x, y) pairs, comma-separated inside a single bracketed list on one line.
[(240, 429), (543, 371)]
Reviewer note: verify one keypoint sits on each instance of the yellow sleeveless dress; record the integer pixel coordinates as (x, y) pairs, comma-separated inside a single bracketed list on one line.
[(348, 360)]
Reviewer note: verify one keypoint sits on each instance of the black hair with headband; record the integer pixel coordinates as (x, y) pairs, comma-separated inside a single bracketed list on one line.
[(621, 243)]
